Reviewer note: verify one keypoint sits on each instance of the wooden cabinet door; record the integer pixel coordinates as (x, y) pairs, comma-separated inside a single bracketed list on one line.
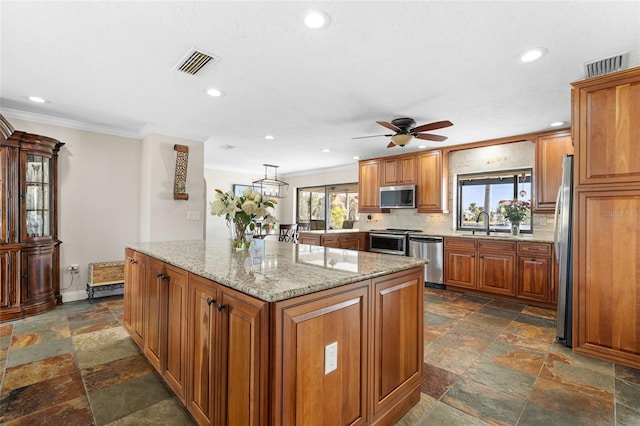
[(155, 308), (369, 186), (496, 267), (129, 277), (6, 282), (429, 185), (534, 278), (397, 338), (138, 305), (460, 267), (606, 283), (311, 239), (37, 274), (201, 349), (399, 171), (303, 329), (175, 372), (550, 151), (606, 117), (390, 172), (244, 369)]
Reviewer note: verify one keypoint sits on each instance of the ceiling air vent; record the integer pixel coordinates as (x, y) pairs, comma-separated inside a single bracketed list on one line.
[(194, 61), (227, 147), (606, 65)]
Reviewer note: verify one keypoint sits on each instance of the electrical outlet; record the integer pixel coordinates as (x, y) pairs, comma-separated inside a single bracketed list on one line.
[(193, 215), (73, 268), (330, 357)]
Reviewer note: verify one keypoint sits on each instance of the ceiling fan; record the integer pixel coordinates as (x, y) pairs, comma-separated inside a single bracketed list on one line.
[(405, 129)]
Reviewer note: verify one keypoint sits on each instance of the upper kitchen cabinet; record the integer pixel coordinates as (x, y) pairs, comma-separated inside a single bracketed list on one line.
[(606, 113), (399, 170), (370, 173), (29, 245), (550, 150), (431, 181)]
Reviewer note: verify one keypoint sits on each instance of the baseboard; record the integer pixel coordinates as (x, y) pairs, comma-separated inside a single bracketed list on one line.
[(70, 296)]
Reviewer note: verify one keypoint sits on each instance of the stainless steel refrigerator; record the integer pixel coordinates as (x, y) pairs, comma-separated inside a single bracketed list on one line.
[(562, 241)]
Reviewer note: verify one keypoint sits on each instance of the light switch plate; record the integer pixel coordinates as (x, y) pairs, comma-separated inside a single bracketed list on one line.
[(193, 215), (330, 357)]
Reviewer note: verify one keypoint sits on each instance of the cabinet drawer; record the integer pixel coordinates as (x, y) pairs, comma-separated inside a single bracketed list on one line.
[(535, 248), (460, 243), (502, 246)]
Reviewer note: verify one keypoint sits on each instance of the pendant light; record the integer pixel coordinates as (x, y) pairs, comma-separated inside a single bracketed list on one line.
[(271, 186), (523, 193)]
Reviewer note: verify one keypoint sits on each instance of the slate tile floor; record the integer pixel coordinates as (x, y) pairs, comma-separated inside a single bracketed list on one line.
[(485, 362)]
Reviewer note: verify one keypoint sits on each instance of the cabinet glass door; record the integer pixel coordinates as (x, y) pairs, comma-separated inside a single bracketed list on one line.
[(37, 197)]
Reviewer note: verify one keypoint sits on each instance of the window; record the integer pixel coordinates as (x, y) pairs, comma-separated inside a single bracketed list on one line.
[(484, 191), (328, 207)]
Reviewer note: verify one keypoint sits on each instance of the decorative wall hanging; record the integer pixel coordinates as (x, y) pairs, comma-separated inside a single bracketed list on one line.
[(180, 179)]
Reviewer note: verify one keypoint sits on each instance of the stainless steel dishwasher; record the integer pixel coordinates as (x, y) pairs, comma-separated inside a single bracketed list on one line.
[(431, 248)]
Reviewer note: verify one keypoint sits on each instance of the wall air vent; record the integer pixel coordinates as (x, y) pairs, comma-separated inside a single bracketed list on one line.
[(227, 147), (194, 61), (606, 65)]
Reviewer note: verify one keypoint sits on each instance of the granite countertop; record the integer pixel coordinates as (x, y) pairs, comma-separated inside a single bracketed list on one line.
[(331, 231), (480, 234), (277, 271)]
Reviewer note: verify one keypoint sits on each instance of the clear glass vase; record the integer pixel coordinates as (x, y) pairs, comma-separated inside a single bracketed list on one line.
[(515, 228), (241, 236)]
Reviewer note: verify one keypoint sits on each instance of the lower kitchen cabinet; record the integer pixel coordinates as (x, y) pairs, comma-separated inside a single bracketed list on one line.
[(135, 273), (497, 267), (346, 240), (512, 269), (174, 369), (228, 355), (535, 267)]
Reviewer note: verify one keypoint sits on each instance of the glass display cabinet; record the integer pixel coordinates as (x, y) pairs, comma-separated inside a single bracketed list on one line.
[(29, 245)]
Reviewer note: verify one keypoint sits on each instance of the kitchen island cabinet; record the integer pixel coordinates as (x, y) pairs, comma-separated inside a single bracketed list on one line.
[(259, 325), (346, 240)]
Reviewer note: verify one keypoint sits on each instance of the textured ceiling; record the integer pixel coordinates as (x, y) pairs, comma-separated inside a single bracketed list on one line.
[(111, 65)]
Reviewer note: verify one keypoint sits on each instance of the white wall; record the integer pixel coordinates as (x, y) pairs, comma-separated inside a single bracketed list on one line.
[(111, 191)]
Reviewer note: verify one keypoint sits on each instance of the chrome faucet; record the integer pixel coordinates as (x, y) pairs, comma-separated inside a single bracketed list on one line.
[(486, 220)]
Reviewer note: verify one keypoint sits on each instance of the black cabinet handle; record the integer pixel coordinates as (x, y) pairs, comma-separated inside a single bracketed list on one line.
[(210, 301), (159, 275), (220, 307), (165, 277)]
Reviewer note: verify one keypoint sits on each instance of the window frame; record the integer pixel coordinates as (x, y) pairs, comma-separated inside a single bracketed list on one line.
[(328, 191), (494, 177)]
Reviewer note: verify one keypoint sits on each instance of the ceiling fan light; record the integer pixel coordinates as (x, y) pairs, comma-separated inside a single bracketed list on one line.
[(401, 139)]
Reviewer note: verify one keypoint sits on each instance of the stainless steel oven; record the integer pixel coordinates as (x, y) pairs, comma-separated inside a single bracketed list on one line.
[(390, 241)]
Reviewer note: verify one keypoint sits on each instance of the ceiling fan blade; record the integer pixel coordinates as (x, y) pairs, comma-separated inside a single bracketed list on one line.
[(374, 136), (432, 126), (391, 145), (430, 137), (390, 126)]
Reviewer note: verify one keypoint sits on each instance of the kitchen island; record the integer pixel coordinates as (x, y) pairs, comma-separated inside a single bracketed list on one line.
[(282, 334)]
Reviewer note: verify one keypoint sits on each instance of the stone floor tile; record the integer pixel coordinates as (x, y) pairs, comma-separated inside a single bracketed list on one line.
[(115, 372), (451, 359), (444, 415), (541, 312), (507, 306), (484, 402), (436, 381), (626, 416), (37, 352), (628, 373), (418, 411), (537, 321), (75, 412), (628, 394), (502, 313), (125, 398), (102, 346), (163, 413), (34, 372)]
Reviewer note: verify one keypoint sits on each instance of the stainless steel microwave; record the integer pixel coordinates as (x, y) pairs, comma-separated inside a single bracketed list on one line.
[(398, 197)]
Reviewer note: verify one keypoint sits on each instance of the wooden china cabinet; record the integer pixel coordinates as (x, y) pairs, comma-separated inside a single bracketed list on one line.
[(29, 245)]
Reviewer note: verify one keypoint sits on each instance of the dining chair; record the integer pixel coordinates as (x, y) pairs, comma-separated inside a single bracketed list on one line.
[(288, 233)]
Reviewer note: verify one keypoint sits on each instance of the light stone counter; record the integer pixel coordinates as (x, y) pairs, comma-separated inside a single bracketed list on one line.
[(278, 271), (528, 238)]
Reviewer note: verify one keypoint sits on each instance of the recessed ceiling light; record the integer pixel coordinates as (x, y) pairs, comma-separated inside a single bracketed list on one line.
[(355, 157), (316, 20), (214, 92), (533, 54), (326, 150), (557, 124), (37, 99), (422, 146), (269, 137)]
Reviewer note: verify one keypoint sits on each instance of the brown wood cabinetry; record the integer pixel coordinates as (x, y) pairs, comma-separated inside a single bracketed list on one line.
[(606, 274), (400, 170), (369, 177), (235, 360), (135, 278), (535, 269), (228, 355), (460, 262), (550, 150), (29, 245), (497, 267), (432, 182), (347, 240), (501, 267)]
